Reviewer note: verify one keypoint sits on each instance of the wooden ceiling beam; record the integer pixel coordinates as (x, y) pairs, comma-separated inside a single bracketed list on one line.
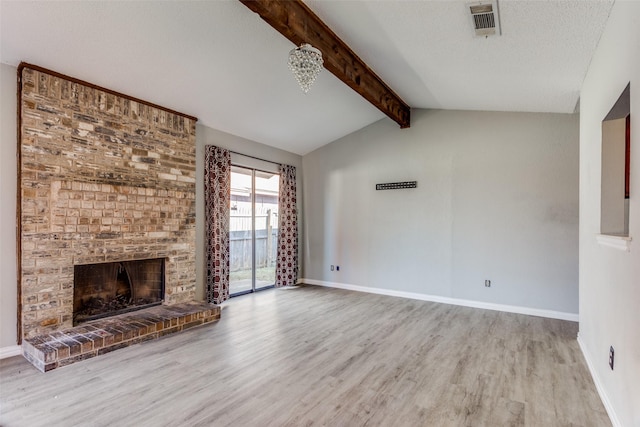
[(294, 20)]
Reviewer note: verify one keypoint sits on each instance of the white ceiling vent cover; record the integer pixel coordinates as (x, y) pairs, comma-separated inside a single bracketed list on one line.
[(485, 18)]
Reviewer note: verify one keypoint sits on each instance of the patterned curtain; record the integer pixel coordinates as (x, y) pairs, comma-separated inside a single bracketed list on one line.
[(217, 197), (287, 258)]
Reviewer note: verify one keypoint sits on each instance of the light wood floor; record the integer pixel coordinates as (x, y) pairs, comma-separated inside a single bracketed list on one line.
[(317, 356)]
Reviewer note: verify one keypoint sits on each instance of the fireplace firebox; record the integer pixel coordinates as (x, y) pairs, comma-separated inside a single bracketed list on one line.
[(107, 289)]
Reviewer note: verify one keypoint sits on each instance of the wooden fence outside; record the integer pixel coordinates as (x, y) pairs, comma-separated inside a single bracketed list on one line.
[(240, 241)]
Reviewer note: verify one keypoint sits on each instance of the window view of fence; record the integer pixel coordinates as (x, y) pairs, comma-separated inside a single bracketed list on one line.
[(248, 218)]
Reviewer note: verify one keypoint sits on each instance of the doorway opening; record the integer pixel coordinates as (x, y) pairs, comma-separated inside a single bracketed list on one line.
[(253, 230)]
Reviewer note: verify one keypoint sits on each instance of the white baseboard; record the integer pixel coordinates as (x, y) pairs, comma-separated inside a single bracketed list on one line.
[(446, 300), (13, 350), (596, 379)]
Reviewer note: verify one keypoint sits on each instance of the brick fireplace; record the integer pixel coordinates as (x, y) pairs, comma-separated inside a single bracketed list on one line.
[(104, 178)]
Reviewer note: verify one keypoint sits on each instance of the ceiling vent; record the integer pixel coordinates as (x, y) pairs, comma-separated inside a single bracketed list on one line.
[(485, 18)]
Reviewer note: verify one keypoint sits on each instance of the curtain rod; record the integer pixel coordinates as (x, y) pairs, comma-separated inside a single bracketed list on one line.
[(254, 157)]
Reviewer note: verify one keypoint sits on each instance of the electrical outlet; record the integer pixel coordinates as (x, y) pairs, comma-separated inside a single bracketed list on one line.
[(337, 268), (611, 353), (332, 268), (487, 283)]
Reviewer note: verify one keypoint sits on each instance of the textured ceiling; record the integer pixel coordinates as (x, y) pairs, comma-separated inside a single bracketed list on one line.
[(220, 62)]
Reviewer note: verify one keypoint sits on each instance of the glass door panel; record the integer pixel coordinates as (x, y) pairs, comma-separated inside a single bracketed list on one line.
[(253, 229), (266, 220), (241, 231)]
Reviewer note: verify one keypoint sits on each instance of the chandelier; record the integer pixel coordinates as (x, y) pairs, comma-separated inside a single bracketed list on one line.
[(305, 62)]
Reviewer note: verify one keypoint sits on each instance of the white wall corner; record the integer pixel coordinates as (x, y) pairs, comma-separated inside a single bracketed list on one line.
[(10, 351), (572, 317), (596, 379)]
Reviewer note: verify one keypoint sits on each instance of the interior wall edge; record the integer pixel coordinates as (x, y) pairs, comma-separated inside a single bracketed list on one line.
[(596, 379)]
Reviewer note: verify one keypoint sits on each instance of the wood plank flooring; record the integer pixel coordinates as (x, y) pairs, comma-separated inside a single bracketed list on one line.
[(316, 356)]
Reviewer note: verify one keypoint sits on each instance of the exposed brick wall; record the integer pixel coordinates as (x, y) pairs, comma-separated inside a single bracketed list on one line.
[(102, 178)]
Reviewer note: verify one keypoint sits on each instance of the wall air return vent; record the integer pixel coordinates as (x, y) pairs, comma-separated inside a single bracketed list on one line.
[(485, 18)]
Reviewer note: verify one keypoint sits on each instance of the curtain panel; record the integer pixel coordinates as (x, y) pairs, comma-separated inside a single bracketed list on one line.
[(287, 257), (217, 194)]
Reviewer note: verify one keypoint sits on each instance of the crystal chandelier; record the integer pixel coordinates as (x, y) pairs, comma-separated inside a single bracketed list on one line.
[(305, 62)]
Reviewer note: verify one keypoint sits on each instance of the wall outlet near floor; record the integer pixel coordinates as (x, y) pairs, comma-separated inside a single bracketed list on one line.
[(332, 268), (487, 283), (611, 353)]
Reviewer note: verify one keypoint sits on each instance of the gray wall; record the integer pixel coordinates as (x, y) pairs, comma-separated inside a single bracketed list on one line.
[(497, 199), (610, 277), (209, 136), (8, 185)]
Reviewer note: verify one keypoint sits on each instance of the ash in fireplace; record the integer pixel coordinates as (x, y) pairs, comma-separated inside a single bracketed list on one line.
[(97, 307)]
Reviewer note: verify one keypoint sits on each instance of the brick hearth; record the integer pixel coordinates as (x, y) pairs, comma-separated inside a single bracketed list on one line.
[(50, 351)]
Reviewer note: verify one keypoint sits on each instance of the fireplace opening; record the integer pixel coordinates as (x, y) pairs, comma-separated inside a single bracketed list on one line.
[(107, 289)]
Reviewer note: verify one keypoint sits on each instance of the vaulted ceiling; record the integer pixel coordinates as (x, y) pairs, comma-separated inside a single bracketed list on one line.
[(218, 61)]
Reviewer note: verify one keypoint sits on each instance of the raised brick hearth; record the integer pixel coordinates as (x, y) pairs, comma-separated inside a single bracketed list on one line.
[(47, 352)]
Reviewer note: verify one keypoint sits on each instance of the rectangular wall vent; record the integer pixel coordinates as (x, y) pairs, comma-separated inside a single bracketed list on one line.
[(485, 19)]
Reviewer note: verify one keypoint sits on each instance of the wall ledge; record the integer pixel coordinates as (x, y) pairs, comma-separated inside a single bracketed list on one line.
[(10, 351), (596, 379), (622, 243), (573, 317)]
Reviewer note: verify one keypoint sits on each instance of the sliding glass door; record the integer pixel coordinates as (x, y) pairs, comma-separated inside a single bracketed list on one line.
[(253, 229)]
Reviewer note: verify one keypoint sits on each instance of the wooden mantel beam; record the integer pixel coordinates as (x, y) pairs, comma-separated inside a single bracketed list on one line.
[(294, 20)]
